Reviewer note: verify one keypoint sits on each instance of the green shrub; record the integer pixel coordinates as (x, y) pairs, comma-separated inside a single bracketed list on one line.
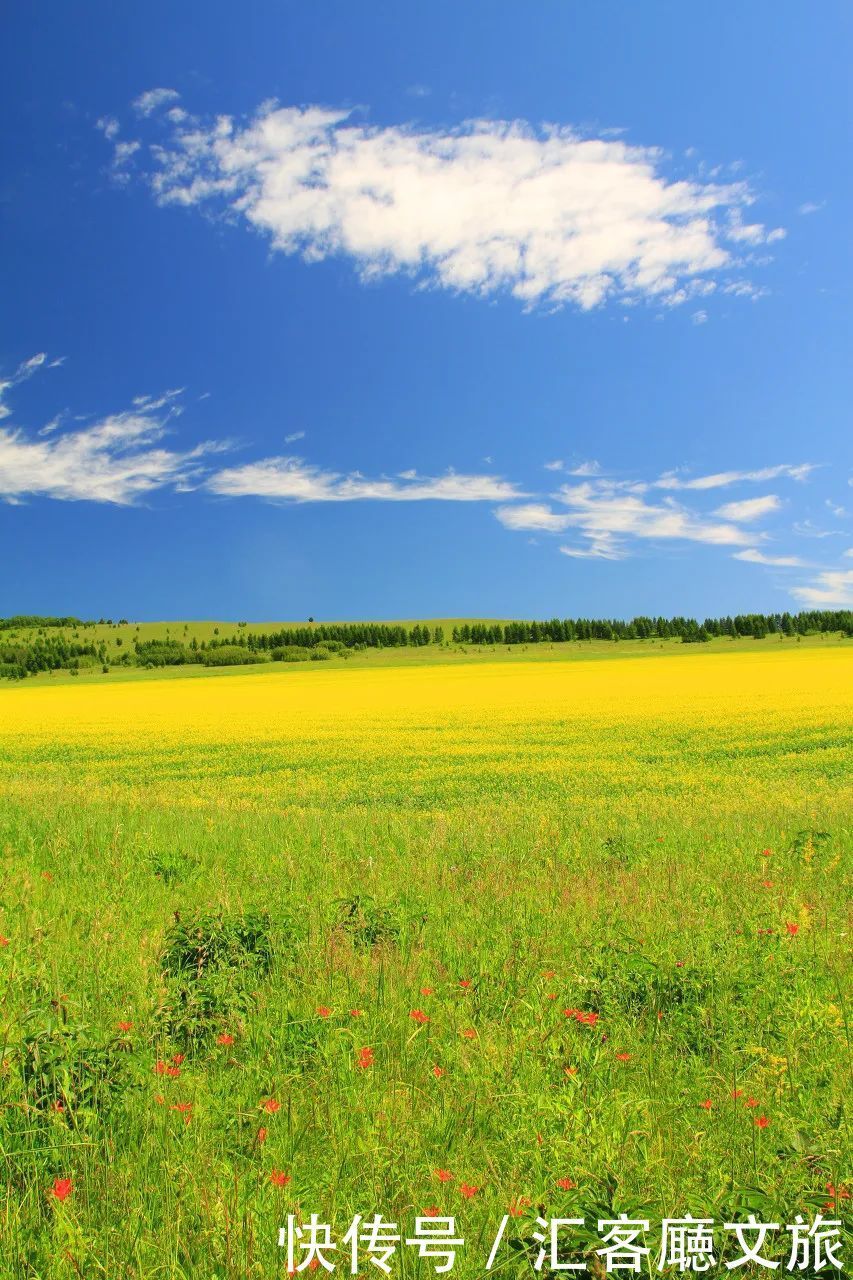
[(290, 653), (230, 655)]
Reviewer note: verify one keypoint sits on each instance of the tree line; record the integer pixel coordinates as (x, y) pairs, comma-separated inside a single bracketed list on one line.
[(23, 657)]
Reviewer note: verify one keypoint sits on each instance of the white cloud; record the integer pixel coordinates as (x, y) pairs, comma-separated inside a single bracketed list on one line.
[(833, 588), (533, 516), (108, 126), (758, 557), (750, 508), (699, 317), (298, 481), (548, 215), (810, 207), (673, 480), (591, 468), (610, 514), (294, 436), (556, 465), (115, 460), (152, 99), (25, 370), (603, 548)]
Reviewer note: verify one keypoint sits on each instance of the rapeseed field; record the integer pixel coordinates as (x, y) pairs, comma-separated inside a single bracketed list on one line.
[(497, 941)]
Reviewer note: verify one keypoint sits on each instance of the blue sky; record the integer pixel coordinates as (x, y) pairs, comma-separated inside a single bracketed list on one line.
[(400, 311)]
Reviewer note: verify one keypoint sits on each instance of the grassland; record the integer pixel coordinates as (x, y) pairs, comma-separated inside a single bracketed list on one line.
[(404, 874)]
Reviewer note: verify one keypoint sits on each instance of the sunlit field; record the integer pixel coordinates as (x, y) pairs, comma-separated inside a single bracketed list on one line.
[(557, 938)]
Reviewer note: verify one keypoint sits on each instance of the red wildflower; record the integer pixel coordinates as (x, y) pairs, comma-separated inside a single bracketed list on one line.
[(45, 875), (751, 1102), (178, 1058), (566, 1184), (737, 1093), (762, 1122), (62, 1188), (465, 982), (184, 1107), (438, 1072), (4, 941), (550, 995), (279, 1179), (837, 1193), (174, 1072), (466, 1190), (765, 853), (570, 1071), (225, 1039), (707, 1104), (159, 1099), (323, 1011), (57, 1106), (792, 928), (262, 1135), (589, 1019), (622, 1057), (444, 1175), (767, 884), (160, 1067), (469, 1033), (431, 1212), (516, 1208), (125, 1026), (365, 1057), (418, 1015), (549, 973), (571, 1013), (271, 1105), (427, 991), (355, 1013)]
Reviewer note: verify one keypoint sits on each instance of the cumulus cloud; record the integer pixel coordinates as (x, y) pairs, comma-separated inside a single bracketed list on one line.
[(750, 508), (295, 480), (832, 589), (152, 99), (676, 480), (547, 214), (753, 556)]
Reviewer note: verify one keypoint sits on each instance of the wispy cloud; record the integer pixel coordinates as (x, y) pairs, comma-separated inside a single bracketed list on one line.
[(294, 436), (116, 459), (750, 508), (611, 514), (25, 370), (678, 480), (753, 556), (547, 214), (831, 589), (152, 99), (294, 480)]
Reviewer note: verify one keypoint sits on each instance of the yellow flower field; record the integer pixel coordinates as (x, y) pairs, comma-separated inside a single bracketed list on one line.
[(571, 935)]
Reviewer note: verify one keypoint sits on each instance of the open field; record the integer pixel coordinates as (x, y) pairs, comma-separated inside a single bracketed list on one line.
[(360, 898), (447, 654)]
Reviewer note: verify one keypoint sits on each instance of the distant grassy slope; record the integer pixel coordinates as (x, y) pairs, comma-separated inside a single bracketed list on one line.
[(428, 655)]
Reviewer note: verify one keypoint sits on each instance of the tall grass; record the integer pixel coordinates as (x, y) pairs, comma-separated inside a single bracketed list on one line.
[(223, 903)]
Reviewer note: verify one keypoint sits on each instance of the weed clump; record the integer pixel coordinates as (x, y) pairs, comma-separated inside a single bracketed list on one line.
[(212, 964)]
